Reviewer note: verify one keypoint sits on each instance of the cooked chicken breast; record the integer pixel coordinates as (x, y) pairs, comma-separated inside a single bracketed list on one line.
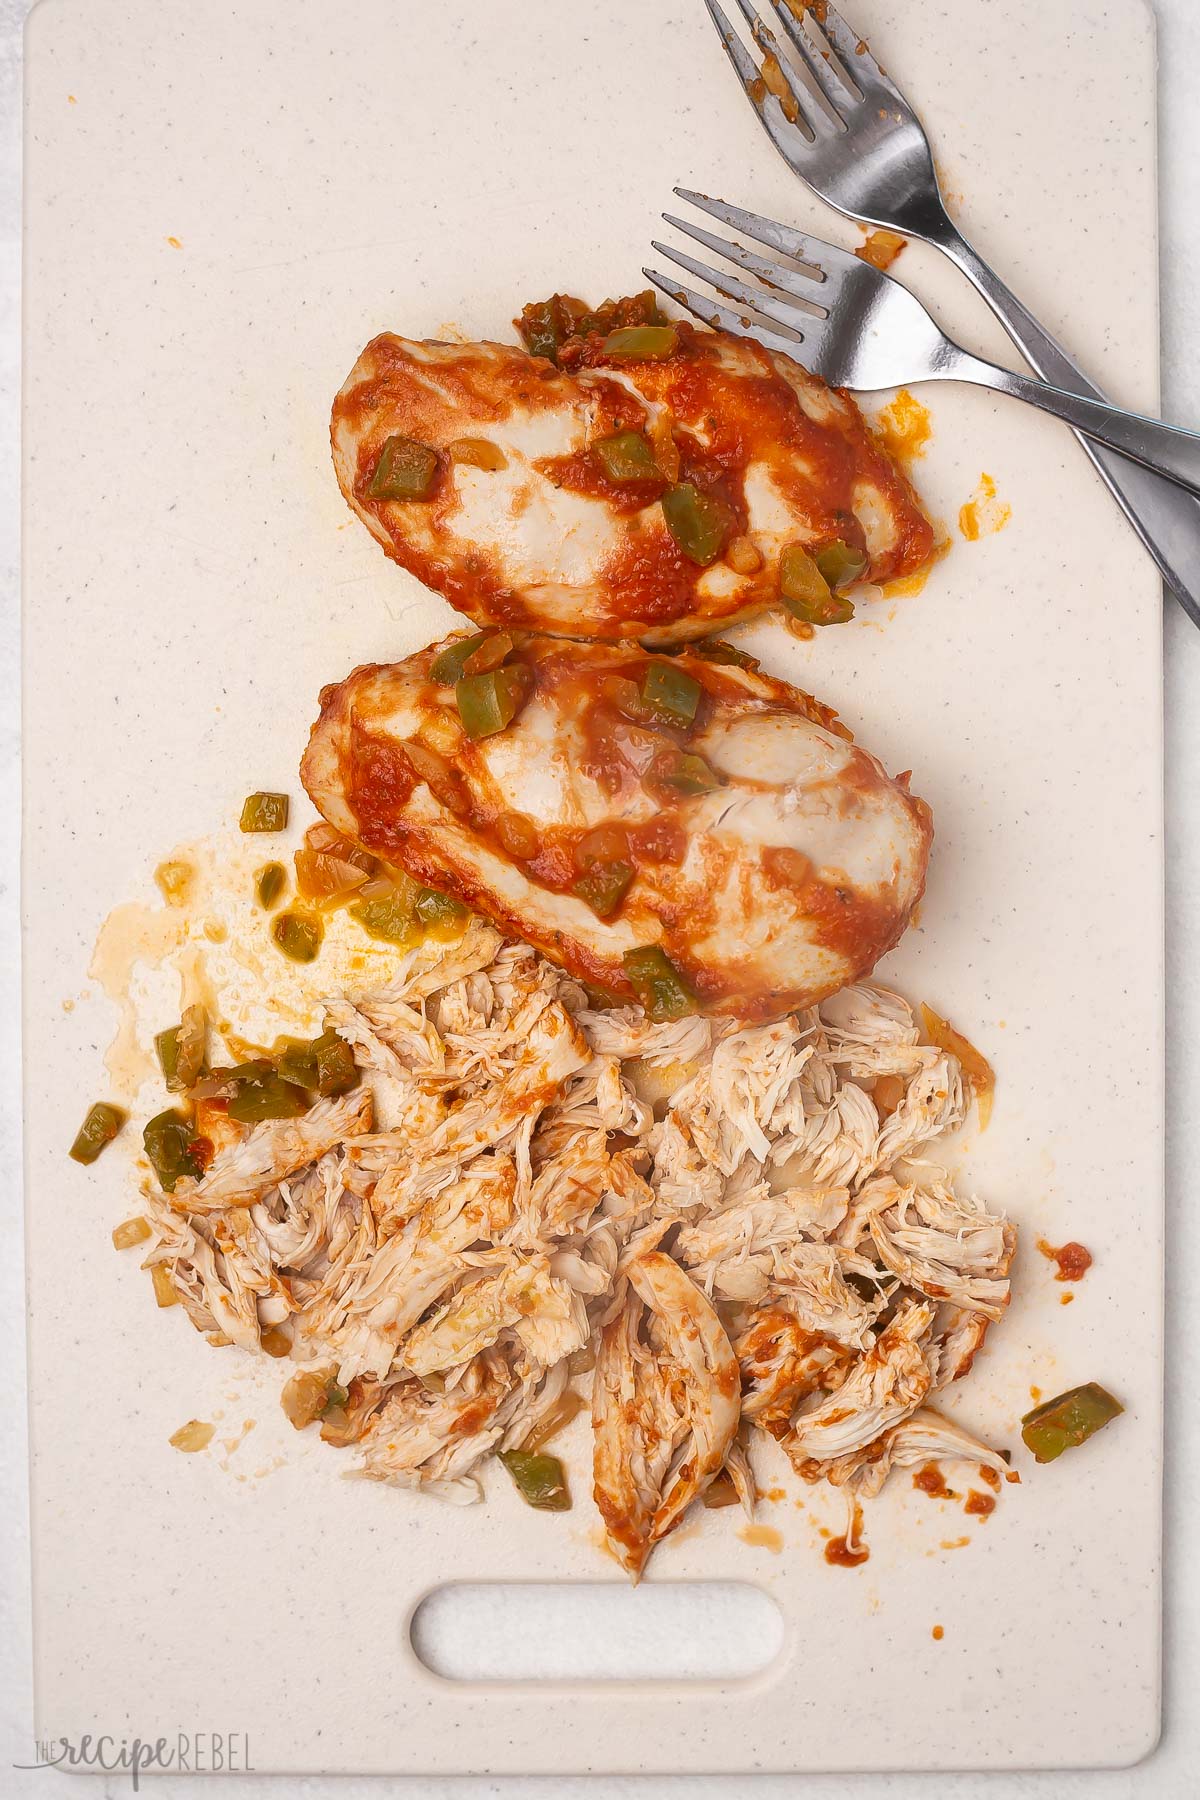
[(683, 831), (616, 495)]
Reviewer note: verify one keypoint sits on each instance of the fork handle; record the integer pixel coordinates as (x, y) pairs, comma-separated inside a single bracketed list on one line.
[(1167, 449), (1165, 517)]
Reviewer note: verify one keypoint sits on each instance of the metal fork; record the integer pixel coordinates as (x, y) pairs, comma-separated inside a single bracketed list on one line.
[(856, 141), (859, 329)]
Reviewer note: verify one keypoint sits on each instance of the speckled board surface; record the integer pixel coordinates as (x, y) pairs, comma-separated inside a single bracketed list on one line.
[(191, 580)]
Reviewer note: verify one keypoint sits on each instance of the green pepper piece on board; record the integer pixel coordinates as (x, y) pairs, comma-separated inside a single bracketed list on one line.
[(264, 812), (168, 1140), (298, 935), (97, 1132), (1068, 1420), (539, 1479), (268, 884)]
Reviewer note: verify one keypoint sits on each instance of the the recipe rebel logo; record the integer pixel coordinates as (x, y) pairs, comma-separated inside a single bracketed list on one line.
[(185, 1753)]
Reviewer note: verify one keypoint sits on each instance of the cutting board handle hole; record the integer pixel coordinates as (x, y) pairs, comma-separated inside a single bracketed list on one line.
[(596, 1631)]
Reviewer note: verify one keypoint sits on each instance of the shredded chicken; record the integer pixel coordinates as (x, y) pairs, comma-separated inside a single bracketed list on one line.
[(727, 1219)]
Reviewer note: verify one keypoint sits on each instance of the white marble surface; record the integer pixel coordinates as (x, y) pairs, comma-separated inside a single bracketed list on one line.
[(1171, 1771)]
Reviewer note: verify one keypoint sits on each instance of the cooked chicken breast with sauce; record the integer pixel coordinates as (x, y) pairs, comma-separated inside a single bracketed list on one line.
[(687, 831), (653, 481)]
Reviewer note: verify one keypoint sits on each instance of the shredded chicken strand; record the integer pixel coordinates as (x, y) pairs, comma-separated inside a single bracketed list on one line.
[(729, 1220)]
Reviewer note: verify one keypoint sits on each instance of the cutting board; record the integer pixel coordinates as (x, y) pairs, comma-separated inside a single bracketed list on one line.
[(224, 202)]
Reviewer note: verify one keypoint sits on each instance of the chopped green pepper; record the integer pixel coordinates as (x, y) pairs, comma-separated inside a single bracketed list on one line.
[(336, 1399), (433, 908), (689, 774), (658, 984), (268, 884), (538, 1478), (298, 935), (1068, 1420), (181, 1050), (337, 1071), (390, 917), (699, 523), (799, 577), (602, 999), (652, 343), (716, 650), (496, 647), (627, 456), (448, 666), (603, 887), (841, 563), (544, 324), (406, 470), (805, 591), (488, 702), (266, 1096), (325, 1066), (834, 609), (265, 812), (170, 1145), (669, 693), (166, 1048), (98, 1130), (296, 1061)]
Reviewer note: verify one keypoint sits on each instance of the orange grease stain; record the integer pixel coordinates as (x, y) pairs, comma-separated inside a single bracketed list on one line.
[(763, 1537), (983, 514), (904, 427)]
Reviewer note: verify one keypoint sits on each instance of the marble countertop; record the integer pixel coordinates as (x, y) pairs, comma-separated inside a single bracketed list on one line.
[(1170, 1771)]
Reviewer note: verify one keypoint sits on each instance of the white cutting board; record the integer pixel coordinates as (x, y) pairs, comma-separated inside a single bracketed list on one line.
[(191, 579)]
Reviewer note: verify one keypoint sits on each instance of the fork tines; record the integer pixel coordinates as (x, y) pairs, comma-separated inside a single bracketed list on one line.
[(809, 278), (828, 72)]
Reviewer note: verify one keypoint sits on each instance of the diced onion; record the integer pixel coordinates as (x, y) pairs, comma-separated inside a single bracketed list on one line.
[(478, 453), (306, 1396), (164, 1287), (197, 1434), (743, 556), (129, 1233), (444, 782), (325, 877)]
